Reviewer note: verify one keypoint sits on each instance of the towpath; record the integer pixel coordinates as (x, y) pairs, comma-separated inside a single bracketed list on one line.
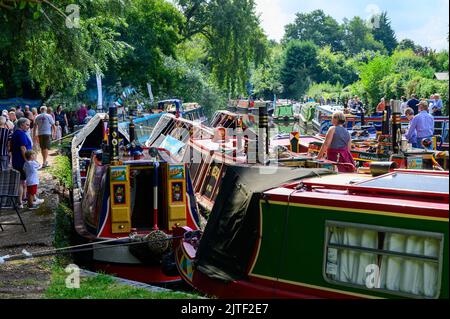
[(29, 278)]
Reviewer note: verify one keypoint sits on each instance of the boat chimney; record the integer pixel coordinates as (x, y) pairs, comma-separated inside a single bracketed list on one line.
[(263, 134), (385, 122), (113, 135), (396, 126), (131, 129)]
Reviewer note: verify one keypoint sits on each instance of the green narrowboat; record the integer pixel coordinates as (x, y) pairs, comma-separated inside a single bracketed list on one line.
[(313, 234)]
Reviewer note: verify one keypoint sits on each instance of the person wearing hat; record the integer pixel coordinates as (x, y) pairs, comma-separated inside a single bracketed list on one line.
[(422, 125)]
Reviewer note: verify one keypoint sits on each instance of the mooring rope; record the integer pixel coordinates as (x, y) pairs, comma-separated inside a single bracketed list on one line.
[(74, 249)]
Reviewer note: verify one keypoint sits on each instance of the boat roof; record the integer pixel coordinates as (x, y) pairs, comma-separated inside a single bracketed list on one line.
[(330, 108), (399, 188)]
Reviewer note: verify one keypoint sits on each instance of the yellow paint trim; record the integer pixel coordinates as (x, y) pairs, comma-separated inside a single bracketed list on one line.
[(353, 210), (259, 237), (329, 208), (317, 287)]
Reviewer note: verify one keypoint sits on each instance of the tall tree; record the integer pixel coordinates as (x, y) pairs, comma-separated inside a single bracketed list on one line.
[(152, 29), (235, 38), (43, 50), (299, 68), (317, 27), (358, 37), (382, 32), (406, 44)]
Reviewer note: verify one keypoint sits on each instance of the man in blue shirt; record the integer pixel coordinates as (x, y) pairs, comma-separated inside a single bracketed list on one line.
[(422, 124), (413, 102), (436, 105), (20, 144)]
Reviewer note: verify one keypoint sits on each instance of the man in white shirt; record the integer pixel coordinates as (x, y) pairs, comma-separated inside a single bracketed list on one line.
[(43, 124)]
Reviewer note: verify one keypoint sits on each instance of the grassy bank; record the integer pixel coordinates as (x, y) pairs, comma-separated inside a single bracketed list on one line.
[(98, 287), (103, 287)]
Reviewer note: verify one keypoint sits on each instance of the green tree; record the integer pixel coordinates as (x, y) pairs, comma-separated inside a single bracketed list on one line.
[(406, 44), (299, 68), (317, 27), (371, 76), (191, 84), (266, 78), (358, 37), (40, 53), (382, 32), (335, 68), (151, 28), (235, 38)]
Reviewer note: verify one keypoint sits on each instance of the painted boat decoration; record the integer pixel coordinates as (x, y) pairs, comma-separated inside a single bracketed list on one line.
[(209, 151), (128, 203), (311, 234)]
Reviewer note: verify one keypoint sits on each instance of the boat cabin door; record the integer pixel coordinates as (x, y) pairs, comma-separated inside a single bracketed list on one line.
[(120, 199)]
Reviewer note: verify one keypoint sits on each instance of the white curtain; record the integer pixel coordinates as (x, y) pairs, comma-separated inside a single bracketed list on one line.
[(431, 270), (397, 274), (391, 267), (409, 275), (351, 265)]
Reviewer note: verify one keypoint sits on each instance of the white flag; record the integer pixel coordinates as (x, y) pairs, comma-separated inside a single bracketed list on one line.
[(99, 92), (150, 94)]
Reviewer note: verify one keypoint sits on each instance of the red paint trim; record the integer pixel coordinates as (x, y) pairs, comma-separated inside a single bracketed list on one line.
[(147, 274), (363, 203), (259, 288)]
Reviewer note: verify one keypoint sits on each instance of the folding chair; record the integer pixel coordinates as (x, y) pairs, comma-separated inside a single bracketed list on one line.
[(9, 194)]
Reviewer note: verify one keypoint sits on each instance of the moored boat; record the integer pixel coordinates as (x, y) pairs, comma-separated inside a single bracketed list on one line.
[(312, 234), (128, 203), (283, 112), (307, 112)]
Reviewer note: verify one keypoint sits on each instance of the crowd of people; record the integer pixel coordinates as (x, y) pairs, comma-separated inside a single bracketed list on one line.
[(420, 114), (26, 132)]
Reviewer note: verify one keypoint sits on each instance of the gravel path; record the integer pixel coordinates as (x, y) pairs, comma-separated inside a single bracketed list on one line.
[(29, 278)]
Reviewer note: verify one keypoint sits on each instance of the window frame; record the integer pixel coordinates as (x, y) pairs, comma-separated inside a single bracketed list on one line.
[(439, 236)]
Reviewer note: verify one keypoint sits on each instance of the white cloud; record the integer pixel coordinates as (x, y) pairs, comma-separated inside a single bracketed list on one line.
[(428, 29), (273, 18), (434, 33)]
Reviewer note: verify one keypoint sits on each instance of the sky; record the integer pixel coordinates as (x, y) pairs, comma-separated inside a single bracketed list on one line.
[(426, 22)]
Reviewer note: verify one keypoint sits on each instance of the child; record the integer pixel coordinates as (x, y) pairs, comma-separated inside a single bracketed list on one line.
[(58, 132), (31, 167)]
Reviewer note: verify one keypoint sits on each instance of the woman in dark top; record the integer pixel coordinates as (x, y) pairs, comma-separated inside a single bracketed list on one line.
[(61, 116), (338, 143)]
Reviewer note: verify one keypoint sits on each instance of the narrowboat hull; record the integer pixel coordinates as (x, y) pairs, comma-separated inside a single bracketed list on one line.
[(126, 208), (337, 236)]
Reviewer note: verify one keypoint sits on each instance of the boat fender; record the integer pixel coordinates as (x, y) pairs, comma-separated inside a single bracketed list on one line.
[(157, 242)]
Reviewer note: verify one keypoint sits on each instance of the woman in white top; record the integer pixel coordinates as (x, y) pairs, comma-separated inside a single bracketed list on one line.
[(404, 105)]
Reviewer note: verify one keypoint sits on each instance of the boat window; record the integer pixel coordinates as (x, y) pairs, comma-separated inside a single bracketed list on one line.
[(94, 181), (402, 262), (213, 177)]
